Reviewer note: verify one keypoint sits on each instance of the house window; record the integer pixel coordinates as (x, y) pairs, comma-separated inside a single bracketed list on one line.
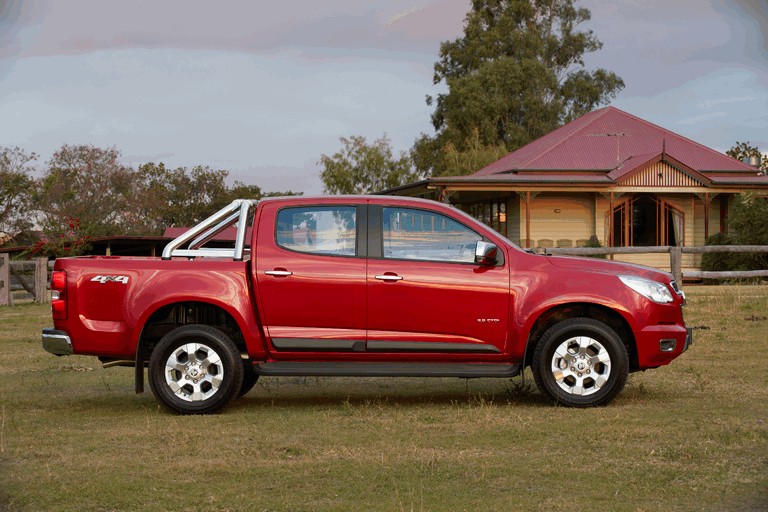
[(645, 220), (492, 213)]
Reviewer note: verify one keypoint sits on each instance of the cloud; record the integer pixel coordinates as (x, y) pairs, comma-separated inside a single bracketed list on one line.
[(80, 26), (709, 103), (304, 178), (702, 118), (229, 110)]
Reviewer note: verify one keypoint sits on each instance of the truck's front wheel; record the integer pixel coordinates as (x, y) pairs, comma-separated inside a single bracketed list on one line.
[(195, 369), (580, 362)]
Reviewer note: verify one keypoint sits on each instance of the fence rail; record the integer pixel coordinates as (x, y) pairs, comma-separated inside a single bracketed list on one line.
[(33, 277), (25, 278), (675, 258)]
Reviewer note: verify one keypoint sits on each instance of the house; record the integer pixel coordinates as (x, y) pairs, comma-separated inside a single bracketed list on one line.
[(609, 175)]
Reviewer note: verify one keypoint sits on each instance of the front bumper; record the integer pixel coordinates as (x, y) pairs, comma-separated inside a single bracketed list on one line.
[(57, 342), (658, 345), (688, 338)]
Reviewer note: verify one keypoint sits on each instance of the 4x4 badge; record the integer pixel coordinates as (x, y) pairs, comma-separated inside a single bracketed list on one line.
[(111, 279)]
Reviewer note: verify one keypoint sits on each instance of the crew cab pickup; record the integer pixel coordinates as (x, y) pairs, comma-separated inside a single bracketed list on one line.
[(361, 286)]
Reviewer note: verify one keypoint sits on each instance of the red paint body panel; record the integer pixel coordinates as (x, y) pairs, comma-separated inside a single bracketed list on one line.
[(327, 301), (106, 319), (444, 302)]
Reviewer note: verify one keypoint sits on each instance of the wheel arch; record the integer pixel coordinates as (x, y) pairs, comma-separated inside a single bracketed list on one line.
[(600, 312), (170, 315)]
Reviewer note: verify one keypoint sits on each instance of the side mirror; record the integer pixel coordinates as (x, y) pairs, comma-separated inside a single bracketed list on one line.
[(485, 253)]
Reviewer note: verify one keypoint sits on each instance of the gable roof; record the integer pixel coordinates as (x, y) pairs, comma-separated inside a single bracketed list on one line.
[(642, 163), (606, 138)]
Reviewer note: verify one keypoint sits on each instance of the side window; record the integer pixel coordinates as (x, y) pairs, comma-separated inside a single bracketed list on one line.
[(421, 235), (326, 230)]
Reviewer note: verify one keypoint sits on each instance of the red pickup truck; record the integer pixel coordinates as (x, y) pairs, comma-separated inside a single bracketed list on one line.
[(361, 286)]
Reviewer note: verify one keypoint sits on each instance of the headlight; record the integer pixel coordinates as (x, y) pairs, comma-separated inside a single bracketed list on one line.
[(655, 291)]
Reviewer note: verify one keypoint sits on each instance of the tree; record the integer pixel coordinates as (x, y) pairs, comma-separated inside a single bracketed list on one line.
[(240, 190), (516, 74), (474, 156), (743, 149), (748, 222), (87, 192), (177, 197), (86, 187), (16, 186), (362, 168), (183, 197)]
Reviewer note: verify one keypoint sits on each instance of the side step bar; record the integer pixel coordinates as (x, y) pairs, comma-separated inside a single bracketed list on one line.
[(337, 369)]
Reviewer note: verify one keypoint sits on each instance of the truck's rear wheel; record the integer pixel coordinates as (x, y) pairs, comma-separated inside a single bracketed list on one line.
[(580, 362), (195, 369)]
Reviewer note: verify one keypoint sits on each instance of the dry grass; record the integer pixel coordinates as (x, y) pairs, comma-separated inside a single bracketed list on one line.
[(689, 436)]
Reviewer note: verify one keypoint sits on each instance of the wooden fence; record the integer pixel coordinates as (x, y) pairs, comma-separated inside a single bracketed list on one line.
[(32, 278), (20, 280), (675, 258)]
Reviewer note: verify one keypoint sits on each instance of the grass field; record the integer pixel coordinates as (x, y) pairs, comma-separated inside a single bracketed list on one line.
[(689, 436)]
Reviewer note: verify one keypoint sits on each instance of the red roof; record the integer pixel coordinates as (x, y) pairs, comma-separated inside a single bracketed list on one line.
[(529, 178), (606, 138)]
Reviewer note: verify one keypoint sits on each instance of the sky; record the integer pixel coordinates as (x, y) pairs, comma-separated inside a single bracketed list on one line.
[(262, 89)]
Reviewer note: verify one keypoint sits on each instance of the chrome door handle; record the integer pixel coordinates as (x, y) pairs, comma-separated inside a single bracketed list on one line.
[(389, 278), (278, 273)]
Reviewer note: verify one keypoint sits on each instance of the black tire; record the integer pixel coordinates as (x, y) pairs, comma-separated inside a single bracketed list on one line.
[(580, 362), (250, 378), (199, 382)]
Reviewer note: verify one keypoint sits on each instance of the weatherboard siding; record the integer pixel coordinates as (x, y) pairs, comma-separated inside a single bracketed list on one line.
[(513, 218), (583, 215), (660, 175), (559, 217), (714, 222)]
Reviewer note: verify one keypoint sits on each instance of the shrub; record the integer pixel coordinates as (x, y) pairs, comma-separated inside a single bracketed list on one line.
[(749, 225), (718, 261), (594, 242)]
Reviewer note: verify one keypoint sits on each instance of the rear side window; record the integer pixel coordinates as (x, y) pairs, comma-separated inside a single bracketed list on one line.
[(329, 230), (411, 234)]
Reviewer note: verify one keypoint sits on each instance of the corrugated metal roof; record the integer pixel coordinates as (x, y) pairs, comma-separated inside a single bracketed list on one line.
[(526, 178), (633, 163), (761, 180), (605, 138)]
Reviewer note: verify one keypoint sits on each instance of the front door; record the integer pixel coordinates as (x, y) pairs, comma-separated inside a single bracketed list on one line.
[(311, 280), (426, 296)]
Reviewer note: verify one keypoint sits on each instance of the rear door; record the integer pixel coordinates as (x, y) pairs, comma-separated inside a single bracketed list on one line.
[(426, 296), (310, 269)]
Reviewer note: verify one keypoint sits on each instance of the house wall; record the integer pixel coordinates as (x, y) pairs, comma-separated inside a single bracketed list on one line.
[(714, 223), (582, 215), (568, 218), (694, 223), (714, 219), (513, 219)]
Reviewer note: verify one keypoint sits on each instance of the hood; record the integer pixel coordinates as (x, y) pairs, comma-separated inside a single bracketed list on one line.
[(609, 267)]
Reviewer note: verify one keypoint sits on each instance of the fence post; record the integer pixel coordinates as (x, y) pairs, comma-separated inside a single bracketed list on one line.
[(41, 280), (676, 264), (5, 280)]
